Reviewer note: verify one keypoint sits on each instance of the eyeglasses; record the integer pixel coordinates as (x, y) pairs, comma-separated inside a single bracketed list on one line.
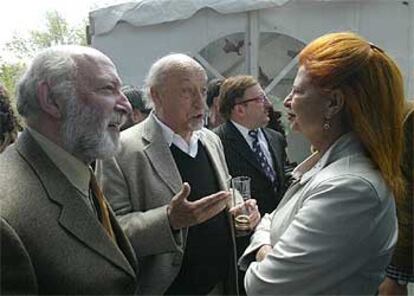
[(260, 99)]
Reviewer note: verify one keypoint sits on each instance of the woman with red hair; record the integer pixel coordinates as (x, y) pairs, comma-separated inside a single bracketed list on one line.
[(335, 229)]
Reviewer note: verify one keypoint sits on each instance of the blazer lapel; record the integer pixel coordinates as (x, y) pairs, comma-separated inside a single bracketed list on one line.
[(78, 220), (75, 216), (124, 244), (160, 155), (244, 150)]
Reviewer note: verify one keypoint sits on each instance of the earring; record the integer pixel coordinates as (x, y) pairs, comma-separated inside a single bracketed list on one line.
[(326, 124)]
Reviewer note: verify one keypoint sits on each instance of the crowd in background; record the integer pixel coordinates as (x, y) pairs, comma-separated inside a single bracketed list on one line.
[(86, 209)]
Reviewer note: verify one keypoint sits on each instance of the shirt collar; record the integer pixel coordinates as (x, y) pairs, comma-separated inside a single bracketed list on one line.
[(245, 131), (242, 129), (308, 167), (171, 137), (346, 144), (75, 170)]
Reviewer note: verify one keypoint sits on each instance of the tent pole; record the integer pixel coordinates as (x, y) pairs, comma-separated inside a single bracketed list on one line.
[(252, 43)]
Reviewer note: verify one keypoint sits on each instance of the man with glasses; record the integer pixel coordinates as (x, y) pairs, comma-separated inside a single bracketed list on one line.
[(250, 149)]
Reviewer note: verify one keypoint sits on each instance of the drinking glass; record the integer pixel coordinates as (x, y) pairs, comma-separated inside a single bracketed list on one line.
[(240, 189)]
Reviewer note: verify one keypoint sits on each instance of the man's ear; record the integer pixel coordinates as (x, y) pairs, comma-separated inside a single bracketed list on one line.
[(46, 102), (238, 110), (336, 101), (156, 95)]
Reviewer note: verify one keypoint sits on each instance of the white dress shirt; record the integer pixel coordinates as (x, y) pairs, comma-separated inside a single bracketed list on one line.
[(171, 137), (261, 139)]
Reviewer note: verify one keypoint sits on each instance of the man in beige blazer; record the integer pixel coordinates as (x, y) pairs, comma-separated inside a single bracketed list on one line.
[(166, 185), (57, 235)]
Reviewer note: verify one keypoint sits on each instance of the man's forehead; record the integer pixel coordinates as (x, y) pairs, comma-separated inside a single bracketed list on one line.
[(187, 74), (89, 60), (99, 66)]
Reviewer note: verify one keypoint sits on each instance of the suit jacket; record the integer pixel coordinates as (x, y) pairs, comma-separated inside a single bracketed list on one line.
[(51, 243), (242, 161), (139, 183), (332, 234), (403, 253)]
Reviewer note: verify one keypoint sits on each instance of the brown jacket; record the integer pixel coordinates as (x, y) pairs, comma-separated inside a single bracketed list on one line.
[(403, 254), (50, 241)]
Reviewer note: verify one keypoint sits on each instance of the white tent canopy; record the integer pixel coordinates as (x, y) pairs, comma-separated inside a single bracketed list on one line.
[(260, 37), (152, 12)]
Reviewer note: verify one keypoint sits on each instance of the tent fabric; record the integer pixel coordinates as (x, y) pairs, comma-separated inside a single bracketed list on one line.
[(151, 12)]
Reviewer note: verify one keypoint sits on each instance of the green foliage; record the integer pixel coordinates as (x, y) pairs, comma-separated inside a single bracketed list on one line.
[(57, 32), (9, 75), (24, 47)]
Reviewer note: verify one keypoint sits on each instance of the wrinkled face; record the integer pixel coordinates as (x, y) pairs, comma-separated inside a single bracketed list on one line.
[(93, 117), (256, 107), (306, 105), (181, 102)]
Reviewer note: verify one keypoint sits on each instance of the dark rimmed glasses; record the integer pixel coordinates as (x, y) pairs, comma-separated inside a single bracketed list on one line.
[(261, 99)]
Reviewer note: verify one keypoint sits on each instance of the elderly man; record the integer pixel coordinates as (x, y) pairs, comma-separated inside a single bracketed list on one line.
[(182, 232), (58, 236)]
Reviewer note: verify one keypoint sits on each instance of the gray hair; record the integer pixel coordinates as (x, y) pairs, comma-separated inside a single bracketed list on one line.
[(55, 65), (159, 71)]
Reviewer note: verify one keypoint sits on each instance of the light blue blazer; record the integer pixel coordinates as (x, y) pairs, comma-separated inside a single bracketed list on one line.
[(333, 232)]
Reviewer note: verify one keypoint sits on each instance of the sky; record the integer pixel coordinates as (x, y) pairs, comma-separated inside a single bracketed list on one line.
[(21, 16)]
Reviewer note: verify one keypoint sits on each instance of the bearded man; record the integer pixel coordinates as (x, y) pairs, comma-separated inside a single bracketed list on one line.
[(58, 234)]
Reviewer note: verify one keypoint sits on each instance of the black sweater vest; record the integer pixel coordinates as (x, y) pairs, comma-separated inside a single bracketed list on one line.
[(208, 248)]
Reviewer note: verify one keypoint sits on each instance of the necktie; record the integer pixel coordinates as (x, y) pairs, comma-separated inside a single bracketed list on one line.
[(268, 170), (103, 206)]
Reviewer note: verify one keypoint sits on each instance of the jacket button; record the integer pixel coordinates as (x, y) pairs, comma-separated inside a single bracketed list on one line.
[(177, 259)]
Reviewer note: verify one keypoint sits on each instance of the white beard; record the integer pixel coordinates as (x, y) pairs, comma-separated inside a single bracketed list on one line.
[(85, 133), (196, 124)]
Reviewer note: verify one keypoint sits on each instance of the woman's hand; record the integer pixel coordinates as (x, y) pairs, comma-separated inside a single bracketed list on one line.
[(390, 287), (262, 253)]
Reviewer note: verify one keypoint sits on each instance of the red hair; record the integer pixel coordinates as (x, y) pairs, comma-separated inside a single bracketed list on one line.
[(372, 86)]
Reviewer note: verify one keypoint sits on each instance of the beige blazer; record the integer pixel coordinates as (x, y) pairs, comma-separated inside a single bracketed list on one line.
[(51, 243), (139, 183)]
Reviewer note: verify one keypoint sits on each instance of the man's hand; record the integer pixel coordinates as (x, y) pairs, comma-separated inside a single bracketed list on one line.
[(250, 206), (254, 214), (183, 213), (390, 287), (262, 253)]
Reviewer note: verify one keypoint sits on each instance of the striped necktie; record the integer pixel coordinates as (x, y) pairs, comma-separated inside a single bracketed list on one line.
[(267, 169)]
